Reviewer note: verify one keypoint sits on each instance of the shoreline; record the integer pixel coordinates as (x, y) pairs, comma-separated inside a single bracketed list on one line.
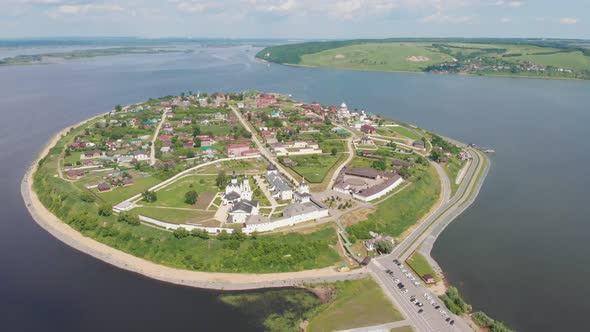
[(206, 280)]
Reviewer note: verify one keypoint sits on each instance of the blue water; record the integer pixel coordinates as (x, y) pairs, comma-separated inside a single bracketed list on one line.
[(520, 253)]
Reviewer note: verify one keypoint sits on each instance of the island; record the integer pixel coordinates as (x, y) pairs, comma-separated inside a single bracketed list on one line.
[(251, 190), (535, 58)]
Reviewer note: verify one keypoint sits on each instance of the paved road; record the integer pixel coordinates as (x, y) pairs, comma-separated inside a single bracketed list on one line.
[(153, 147), (262, 148), (430, 319)]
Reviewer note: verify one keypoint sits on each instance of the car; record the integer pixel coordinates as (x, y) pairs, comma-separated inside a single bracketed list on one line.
[(448, 319), (412, 278), (433, 302), (420, 311), (401, 266), (388, 271), (396, 262), (444, 313), (437, 307), (396, 280), (412, 298), (420, 304), (452, 322), (426, 295), (404, 270), (400, 285), (405, 291)]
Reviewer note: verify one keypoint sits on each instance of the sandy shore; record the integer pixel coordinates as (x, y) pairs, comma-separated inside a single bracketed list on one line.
[(225, 281)]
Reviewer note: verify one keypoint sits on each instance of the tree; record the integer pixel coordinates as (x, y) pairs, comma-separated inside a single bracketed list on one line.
[(105, 210), (149, 196), (131, 219), (327, 121), (200, 233), (191, 197), (87, 197), (334, 151), (196, 130), (180, 233), (118, 108), (197, 142), (221, 180), (379, 165), (384, 246)]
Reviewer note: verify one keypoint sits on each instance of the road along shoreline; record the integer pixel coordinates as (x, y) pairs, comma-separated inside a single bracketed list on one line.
[(125, 261)]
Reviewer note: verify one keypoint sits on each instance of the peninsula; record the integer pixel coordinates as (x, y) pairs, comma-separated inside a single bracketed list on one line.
[(257, 190), (535, 58)]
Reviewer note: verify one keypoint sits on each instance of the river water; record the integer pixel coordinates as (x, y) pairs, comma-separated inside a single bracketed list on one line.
[(519, 253)]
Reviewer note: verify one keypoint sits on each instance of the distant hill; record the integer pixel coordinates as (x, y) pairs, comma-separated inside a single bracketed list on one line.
[(543, 58)]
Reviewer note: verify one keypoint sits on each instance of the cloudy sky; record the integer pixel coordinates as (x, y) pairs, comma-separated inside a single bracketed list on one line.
[(295, 18)]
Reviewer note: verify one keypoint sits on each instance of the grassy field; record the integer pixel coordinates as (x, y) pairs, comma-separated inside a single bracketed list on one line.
[(402, 329), (358, 303), (173, 194), (119, 194), (399, 131), (397, 213), (240, 166), (382, 57), (176, 216), (315, 167), (419, 264), (452, 168), (328, 145)]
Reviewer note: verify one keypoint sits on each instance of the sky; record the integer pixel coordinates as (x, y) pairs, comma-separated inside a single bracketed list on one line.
[(296, 19)]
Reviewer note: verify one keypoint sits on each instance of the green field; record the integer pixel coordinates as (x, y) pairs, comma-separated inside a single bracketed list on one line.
[(176, 216), (399, 131), (357, 304), (119, 194), (397, 213), (380, 57), (420, 265), (315, 167), (173, 194), (402, 329), (328, 145)]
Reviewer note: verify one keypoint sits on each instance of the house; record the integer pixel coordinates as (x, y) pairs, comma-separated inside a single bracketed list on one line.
[(366, 140), (418, 144), (236, 150), (165, 149), (91, 154), (75, 174), (263, 100), (187, 121), (102, 187), (141, 155), (126, 182), (368, 129), (371, 244), (188, 145), (428, 278)]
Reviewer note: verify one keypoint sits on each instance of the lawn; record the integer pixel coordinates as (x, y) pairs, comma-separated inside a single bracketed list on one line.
[(402, 329), (328, 145), (119, 194), (357, 303), (399, 130), (253, 165), (420, 265), (175, 216), (378, 56), (173, 194), (397, 213), (315, 167), (452, 168)]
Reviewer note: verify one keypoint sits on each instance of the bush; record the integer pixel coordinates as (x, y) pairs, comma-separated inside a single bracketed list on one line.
[(87, 197), (105, 210), (454, 302), (180, 233), (131, 219), (150, 196), (200, 233)]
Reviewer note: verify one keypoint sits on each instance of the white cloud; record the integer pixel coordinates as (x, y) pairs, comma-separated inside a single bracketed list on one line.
[(513, 4), (568, 20), (505, 20), (77, 9), (440, 18), (194, 6)]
